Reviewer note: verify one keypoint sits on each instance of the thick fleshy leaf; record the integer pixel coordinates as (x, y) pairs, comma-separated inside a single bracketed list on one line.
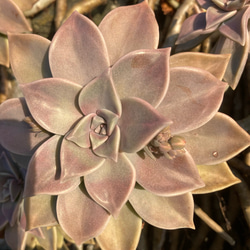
[(80, 133), (77, 161), (220, 139), (123, 232), (143, 74), (166, 177), (110, 148), (205, 3), (43, 175), (100, 94), (216, 177), (25, 4), (91, 218), (237, 61), (236, 27), (215, 16), (12, 18), (193, 97), (4, 51), (29, 57), (53, 103), (16, 135), (163, 212), (40, 211), (139, 124), (215, 64), (78, 52), (193, 32), (111, 184), (139, 30)]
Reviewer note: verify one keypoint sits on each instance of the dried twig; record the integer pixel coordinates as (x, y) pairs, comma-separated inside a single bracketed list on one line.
[(61, 8), (37, 7), (85, 7), (213, 225)]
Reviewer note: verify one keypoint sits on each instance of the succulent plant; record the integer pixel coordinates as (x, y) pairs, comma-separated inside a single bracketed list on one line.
[(115, 127), (228, 17)]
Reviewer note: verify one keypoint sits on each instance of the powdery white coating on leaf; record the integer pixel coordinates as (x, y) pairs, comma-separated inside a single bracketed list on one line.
[(78, 45), (163, 212), (12, 18), (223, 139), (123, 232), (91, 218), (166, 177), (29, 57), (111, 184), (139, 30)]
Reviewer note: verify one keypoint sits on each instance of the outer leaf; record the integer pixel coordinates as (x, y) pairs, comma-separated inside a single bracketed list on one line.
[(214, 64), (123, 232), (4, 51), (163, 212), (91, 218), (216, 177), (100, 94), (80, 46), (43, 175), (16, 135), (139, 30), (139, 124), (111, 184), (232, 140), (29, 57), (77, 161), (52, 103), (166, 177), (237, 61), (12, 18), (40, 211), (236, 27), (191, 91), (143, 74)]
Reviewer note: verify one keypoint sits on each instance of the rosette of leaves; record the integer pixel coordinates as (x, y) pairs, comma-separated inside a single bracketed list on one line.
[(228, 17), (12, 20), (105, 117)]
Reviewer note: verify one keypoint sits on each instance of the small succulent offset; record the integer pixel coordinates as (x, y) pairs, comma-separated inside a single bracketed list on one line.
[(228, 17), (115, 127)]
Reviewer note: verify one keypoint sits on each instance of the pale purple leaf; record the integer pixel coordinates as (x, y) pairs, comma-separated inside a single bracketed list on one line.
[(83, 221), (43, 175), (78, 52), (25, 4), (111, 184), (77, 161), (163, 212), (16, 135), (215, 64), (100, 94), (193, 98), (53, 103), (139, 124), (220, 139), (166, 177), (12, 18), (139, 30), (29, 57), (236, 28), (40, 211), (143, 74), (123, 232)]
